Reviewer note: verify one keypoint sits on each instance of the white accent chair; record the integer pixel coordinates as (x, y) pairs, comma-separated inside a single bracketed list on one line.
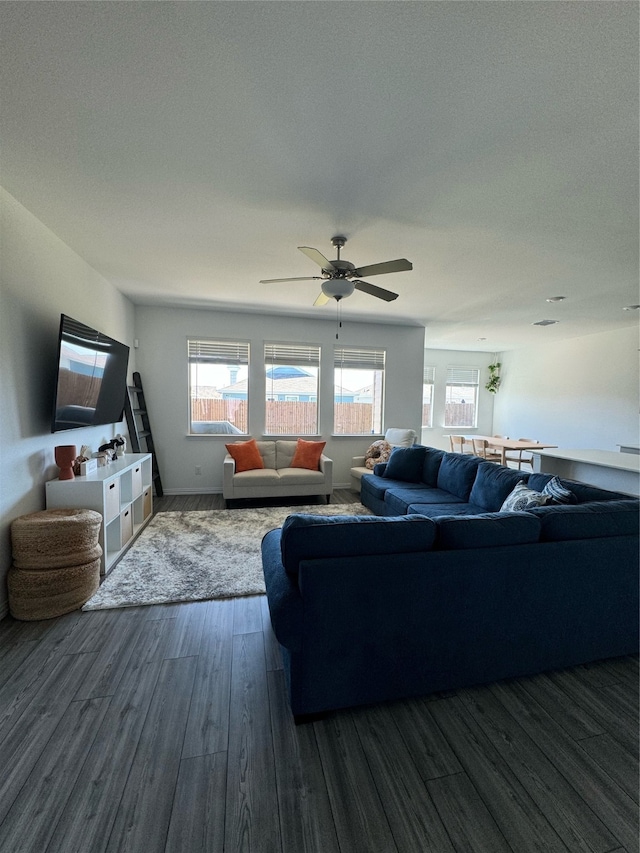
[(396, 437)]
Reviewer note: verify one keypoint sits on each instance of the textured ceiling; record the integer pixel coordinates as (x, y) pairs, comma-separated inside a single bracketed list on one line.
[(186, 149)]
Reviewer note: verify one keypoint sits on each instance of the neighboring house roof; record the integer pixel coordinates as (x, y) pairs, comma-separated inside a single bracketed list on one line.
[(208, 392)]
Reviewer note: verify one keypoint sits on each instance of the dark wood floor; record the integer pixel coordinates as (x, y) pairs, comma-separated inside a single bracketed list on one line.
[(166, 728)]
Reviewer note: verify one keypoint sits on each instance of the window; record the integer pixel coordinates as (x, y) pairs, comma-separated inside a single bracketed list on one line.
[(461, 401), (291, 389), (428, 381), (358, 391), (218, 387)]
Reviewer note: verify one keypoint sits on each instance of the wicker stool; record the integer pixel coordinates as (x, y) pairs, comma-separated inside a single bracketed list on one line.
[(56, 562)]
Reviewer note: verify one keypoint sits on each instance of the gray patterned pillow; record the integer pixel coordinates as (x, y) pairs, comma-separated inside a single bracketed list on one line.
[(558, 494), (523, 497)]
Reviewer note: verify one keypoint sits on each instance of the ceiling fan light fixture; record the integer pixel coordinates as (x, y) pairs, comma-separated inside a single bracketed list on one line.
[(337, 288)]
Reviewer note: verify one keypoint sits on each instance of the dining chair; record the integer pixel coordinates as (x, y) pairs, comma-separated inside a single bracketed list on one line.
[(522, 457), (482, 448), (457, 443)]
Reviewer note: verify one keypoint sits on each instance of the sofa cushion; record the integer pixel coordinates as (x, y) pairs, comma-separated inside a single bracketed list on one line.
[(558, 493), (438, 510), (246, 455), (257, 477), (397, 500), (299, 476), (457, 474), (431, 465), (285, 448), (436, 496), (308, 454), (377, 486), (588, 494), (268, 452), (486, 530), (405, 463), (493, 484), (398, 437), (588, 520), (315, 536), (583, 492), (522, 497)]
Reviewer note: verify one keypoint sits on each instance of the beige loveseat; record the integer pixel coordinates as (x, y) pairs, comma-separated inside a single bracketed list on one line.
[(277, 478), (396, 437)]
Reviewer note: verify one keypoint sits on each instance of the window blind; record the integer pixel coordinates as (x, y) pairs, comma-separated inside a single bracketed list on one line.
[(463, 376), (218, 352), (292, 354), (429, 376), (359, 359)]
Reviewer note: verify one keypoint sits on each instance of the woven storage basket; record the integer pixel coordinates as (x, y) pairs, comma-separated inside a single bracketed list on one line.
[(55, 538), (44, 594)]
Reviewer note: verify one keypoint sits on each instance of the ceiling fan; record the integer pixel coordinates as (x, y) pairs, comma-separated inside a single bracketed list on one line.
[(340, 278)]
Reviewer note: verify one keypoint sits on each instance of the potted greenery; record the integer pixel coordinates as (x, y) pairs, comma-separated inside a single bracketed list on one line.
[(494, 378)]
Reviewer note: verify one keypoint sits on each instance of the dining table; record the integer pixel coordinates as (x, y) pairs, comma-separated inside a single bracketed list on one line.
[(505, 444)]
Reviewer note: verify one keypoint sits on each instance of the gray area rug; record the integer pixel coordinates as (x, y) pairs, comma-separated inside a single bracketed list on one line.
[(191, 556)]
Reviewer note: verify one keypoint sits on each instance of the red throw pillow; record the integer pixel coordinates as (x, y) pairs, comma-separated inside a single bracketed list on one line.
[(308, 454), (246, 455)]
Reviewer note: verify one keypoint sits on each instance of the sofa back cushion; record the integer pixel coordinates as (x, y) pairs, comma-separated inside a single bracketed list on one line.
[(583, 493), (457, 474), (431, 465), (285, 451), (405, 463), (486, 531), (398, 437), (588, 520), (310, 537), (268, 452), (493, 484)]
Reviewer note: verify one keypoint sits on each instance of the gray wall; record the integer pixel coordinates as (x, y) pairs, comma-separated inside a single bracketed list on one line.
[(40, 278), (579, 393), (162, 335)]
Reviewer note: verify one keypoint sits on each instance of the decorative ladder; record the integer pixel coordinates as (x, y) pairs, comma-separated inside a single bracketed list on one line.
[(135, 407)]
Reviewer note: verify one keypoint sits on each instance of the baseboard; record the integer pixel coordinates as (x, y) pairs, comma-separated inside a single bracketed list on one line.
[(202, 491), (217, 490)]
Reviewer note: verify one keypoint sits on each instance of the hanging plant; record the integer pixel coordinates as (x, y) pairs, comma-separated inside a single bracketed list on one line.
[(494, 378)]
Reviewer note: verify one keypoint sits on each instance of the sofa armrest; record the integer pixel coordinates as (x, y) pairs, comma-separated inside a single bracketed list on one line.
[(357, 462), (326, 466), (228, 470)]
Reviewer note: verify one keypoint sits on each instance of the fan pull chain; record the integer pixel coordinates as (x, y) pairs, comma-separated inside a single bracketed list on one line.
[(338, 318)]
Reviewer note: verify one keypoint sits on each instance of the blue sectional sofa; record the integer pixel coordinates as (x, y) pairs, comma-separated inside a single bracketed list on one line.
[(444, 589)]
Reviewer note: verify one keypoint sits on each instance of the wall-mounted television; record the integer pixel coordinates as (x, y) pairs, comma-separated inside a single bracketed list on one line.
[(91, 381)]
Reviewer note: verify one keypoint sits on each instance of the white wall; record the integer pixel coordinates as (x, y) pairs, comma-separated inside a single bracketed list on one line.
[(441, 359), (40, 278), (161, 357), (580, 393)]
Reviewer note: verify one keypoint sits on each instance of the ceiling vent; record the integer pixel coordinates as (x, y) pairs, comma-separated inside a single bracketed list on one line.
[(545, 323)]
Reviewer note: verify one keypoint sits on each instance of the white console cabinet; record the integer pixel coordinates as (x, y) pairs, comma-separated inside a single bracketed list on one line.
[(121, 492)]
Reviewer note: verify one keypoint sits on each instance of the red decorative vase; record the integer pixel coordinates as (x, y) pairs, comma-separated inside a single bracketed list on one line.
[(65, 456)]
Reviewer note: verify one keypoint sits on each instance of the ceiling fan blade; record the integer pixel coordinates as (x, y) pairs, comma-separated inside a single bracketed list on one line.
[(399, 265), (372, 290), (304, 278), (322, 299), (317, 257)]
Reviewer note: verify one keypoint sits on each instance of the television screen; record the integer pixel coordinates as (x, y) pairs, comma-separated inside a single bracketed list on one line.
[(92, 377)]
